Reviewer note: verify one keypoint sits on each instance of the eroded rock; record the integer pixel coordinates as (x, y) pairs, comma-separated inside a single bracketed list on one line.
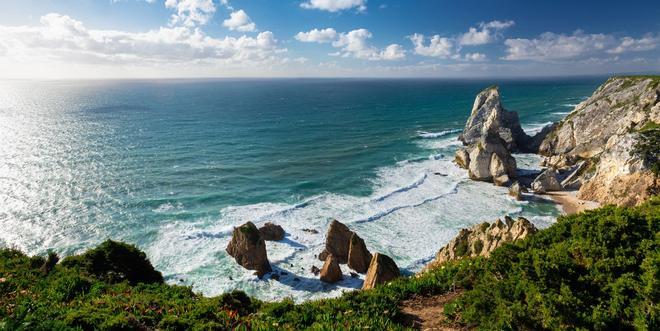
[(515, 190), (488, 116), (546, 182), (482, 239), (337, 242), (248, 248), (382, 269), (359, 256), (272, 232), (331, 272)]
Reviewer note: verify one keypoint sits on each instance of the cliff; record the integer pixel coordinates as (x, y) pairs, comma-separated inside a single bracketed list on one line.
[(604, 131)]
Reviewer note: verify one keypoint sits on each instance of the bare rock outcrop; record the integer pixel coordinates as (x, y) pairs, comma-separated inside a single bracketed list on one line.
[(515, 190), (382, 269), (337, 242), (600, 133), (489, 160), (331, 272), (488, 116), (248, 248), (546, 182), (272, 232), (620, 177), (359, 256), (482, 239)]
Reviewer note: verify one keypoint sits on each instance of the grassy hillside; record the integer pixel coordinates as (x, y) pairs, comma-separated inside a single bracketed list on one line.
[(596, 270)]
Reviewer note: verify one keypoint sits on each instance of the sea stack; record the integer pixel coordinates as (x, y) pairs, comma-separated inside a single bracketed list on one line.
[(382, 269), (359, 256), (248, 248), (331, 272), (337, 242)]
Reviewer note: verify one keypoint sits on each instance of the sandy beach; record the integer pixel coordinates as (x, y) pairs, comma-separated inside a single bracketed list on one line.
[(570, 203)]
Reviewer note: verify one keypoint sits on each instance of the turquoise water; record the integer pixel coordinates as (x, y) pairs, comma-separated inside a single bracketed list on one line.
[(172, 166)]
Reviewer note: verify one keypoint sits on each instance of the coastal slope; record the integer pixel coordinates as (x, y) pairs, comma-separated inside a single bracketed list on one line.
[(607, 133)]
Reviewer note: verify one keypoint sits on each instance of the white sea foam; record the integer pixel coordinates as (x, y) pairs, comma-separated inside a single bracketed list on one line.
[(430, 135), (534, 128), (415, 208)]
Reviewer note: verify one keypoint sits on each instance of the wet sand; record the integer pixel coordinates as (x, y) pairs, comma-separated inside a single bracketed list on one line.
[(570, 203)]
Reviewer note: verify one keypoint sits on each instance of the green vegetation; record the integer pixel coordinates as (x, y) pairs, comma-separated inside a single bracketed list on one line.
[(596, 270), (630, 80)]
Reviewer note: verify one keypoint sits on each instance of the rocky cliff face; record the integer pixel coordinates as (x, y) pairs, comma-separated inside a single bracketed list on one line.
[(488, 116), (490, 135), (482, 239), (602, 131)]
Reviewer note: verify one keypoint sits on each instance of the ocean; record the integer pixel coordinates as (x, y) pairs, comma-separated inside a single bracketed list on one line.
[(173, 165)]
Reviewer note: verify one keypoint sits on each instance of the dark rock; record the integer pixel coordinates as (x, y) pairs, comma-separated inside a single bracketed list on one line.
[(272, 232), (316, 270), (331, 272), (311, 231), (248, 248), (359, 256), (275, 277), (382, 269), (337, 242), (354, 275)]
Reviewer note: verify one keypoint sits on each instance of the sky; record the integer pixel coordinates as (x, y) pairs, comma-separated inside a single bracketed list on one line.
[(61, 39)]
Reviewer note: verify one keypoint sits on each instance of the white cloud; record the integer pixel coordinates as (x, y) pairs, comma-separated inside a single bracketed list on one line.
[(552, 47), (317, 36), (191, 12), (439, 47), (239, 21), (629, 44), (61, 39), (393, 52), (335, 5), (476, 57), (354, 44), (485, 34)]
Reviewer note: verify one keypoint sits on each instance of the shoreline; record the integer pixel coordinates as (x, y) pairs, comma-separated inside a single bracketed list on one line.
[(570, 203)]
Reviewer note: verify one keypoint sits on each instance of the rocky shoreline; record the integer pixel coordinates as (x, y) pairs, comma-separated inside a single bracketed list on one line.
[(589, 159), (594, 150)]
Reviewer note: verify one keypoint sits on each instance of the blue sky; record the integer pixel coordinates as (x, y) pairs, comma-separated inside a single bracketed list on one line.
[(318, 38)]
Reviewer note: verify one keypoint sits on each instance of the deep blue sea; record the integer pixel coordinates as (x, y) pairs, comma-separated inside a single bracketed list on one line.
[(173, 165)]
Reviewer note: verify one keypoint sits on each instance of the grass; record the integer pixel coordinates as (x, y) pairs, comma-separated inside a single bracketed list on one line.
[(595, 270)]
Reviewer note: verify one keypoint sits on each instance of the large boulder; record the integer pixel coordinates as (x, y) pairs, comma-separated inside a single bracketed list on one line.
[(248, 248), (488, 116), (546, 182), (515, 190), (331, 272), (272, 232), (490, 160), (381, 270), (498, 170), (359, 256), (337, 242), (482, 239)]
